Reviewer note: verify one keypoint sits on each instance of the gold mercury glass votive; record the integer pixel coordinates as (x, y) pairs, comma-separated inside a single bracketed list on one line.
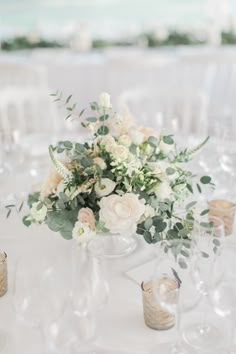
[(154, 316), (224, 210), (3, 273)]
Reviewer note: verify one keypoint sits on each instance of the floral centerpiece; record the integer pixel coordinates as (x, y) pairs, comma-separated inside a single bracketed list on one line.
[(123, 179)]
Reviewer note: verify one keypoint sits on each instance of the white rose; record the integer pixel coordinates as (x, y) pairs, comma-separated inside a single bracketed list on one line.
[(120, 214), (166, 148), (125, 140), (38, 215), (137, 137), (100, 162), (105, 100), (104, 187), (82, 232), (120, 152), (108, 142), (163, 190)]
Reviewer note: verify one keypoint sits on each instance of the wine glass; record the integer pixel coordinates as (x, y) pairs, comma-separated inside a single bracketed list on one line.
[(169, 286), (207, 273), (11, 155), (223, 300), (40, 294)]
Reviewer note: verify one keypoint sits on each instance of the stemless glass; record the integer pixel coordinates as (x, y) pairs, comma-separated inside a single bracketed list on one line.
[(171, 286), (207, 273)]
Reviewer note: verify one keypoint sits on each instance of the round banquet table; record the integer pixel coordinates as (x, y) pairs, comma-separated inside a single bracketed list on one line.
[(120, 324)]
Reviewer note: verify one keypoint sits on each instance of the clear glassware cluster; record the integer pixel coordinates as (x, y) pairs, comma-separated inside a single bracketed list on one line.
[(55, 297), (202, 273)]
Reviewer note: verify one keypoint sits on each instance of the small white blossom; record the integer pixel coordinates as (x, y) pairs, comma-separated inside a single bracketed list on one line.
[(82, 232), (163, 190), (125, 140), (104, 187), (137, 137), (105, 100), (38, 215)]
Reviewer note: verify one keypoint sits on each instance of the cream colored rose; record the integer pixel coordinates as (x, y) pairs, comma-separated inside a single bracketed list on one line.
[(137, 137), (108, 142), (120, 214), (86, 216), (105, 100), (38, 215), (125, 140), (120, 152), (104, 187), (82, 232), (100, 162)]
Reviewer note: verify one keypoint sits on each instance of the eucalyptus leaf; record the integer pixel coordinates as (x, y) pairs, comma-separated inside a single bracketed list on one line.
[(168, 140), (205, 180), (148, 223), (148, 237)]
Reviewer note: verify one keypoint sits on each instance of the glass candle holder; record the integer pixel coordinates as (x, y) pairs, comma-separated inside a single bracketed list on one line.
[(3, 273), (224, 210), (154, 315)]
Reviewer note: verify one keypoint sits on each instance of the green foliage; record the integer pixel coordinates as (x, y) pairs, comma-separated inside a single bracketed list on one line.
[(23, 42)]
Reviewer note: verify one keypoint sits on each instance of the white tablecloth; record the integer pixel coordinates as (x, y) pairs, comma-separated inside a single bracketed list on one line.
[(120, 324)]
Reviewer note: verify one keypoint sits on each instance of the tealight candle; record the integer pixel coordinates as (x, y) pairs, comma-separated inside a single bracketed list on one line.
[(224, 210), (3, 273), (155, 316)]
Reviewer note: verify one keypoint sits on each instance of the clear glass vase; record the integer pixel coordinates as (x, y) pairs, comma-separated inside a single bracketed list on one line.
[(107, 245)]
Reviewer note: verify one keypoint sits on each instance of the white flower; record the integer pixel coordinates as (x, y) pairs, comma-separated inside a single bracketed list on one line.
[(166, 148), (120, 214), (137, 137), (105, 100), (104, 187), (108, 142), (125, 140), (38, 214), (163, 190), (82, 232), (100, 162), (120, 152)]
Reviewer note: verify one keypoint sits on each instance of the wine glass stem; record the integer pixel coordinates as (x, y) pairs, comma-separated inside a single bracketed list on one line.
[(204, 318), (177, 331)]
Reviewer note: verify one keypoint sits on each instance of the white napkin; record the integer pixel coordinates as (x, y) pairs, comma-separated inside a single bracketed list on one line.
[(142, 272)]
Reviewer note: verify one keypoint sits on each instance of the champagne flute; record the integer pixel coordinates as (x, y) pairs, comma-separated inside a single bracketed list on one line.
[(169, 289), (207, 273)]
